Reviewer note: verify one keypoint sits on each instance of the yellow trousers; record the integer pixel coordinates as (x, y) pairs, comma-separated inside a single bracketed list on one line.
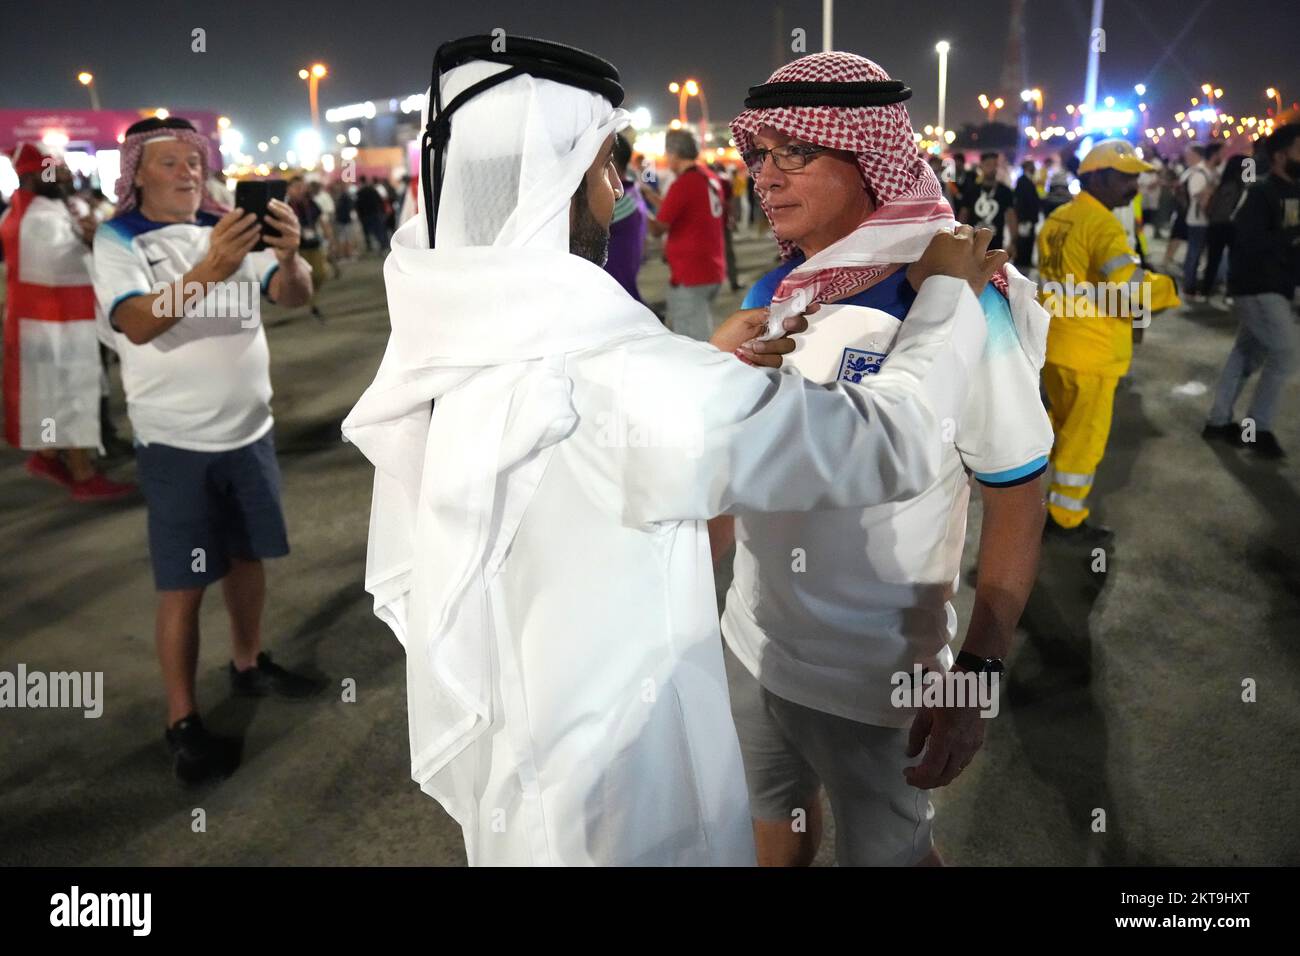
[(1080, 410)]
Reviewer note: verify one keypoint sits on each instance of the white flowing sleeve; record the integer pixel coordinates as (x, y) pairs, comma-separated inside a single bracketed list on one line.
[(715, 436)]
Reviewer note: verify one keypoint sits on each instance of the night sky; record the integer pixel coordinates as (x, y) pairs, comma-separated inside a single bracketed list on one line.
[(140, 51)]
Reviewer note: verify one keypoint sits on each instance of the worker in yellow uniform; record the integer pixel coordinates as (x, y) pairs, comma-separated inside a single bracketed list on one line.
[(1093, 284)]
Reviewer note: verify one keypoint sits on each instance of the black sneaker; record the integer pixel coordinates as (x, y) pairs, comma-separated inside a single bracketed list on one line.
[(199, 756), (1266, 446), (267, 678), (1083, 533), (1229, 433)]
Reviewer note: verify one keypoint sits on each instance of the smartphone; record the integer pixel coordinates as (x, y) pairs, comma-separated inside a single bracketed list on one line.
[(253, 195)]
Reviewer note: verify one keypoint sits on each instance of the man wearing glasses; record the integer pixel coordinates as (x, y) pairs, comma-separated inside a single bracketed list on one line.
[(826, 609)]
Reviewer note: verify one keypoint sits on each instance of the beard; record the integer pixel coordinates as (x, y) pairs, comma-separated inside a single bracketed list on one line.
[(588, 239)]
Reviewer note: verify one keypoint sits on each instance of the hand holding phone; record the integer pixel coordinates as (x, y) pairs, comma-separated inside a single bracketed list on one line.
[(253, 195)]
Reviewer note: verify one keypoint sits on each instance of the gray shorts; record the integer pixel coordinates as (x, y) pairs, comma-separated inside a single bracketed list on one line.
[(688, 310), (789, 750)]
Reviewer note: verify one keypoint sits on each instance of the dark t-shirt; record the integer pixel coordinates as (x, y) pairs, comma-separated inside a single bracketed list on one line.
[(986, 207), (369, 202), (1266, 240), (308, 214)]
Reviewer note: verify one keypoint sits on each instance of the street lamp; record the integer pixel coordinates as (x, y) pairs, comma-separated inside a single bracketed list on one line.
[(684, 91), (991, 106), (1034, 96), (88, 81), (942, 48), (313, 76)]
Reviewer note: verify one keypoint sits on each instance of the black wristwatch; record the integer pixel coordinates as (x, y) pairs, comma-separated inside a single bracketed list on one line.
[(980, 665)]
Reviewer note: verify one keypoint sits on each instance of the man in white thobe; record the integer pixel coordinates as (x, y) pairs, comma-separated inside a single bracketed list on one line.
[(547, 455)]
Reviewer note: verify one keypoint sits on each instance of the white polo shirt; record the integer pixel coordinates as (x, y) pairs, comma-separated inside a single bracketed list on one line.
[(826, 606), (205, 383)]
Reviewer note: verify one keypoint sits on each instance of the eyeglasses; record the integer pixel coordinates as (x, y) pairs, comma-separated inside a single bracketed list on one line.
[(788, 159)]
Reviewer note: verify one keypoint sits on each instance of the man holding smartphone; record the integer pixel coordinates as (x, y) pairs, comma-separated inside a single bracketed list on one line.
[(178, 285)]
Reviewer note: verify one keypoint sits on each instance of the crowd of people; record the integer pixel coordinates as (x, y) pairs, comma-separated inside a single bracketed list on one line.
[(1000, 299)]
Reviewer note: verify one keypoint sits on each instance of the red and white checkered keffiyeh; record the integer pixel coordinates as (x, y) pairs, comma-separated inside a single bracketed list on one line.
[(133, 150), (909, 202)]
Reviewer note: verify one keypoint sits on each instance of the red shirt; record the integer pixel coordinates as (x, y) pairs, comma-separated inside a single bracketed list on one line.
[(693, 211)]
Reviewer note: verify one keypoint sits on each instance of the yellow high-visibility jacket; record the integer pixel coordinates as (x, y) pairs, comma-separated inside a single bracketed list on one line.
[(1088, 277)]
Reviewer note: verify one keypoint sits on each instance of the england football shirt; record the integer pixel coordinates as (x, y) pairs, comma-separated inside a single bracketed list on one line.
[(826, 606)]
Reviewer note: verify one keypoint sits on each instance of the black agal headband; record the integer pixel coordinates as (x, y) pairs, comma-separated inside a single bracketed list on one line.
[(819, 93), (524, 55)]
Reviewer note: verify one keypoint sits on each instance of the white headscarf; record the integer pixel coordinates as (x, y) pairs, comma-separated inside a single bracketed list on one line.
[(481, 324)]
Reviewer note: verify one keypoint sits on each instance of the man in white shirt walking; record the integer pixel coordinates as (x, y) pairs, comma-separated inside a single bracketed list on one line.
[(1199, 180)]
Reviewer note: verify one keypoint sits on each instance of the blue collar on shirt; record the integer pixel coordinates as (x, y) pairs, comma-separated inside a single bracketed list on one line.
[(133, 223), (892, 294)]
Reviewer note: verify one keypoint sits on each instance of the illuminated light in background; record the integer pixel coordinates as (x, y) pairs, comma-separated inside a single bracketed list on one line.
[(8, 178), (413, 103), (354, 136), (640, 118), (161, 113), (650, 144), (307, 144), (327, 163), (1109, 119), (108, 163), (341, 114), (231, 139)]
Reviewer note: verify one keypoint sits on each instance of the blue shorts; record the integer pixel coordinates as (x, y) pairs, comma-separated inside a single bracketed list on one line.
[(206, 507)]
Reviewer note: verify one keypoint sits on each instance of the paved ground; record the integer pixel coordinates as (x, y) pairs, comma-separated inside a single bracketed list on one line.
[(1124, 695)]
